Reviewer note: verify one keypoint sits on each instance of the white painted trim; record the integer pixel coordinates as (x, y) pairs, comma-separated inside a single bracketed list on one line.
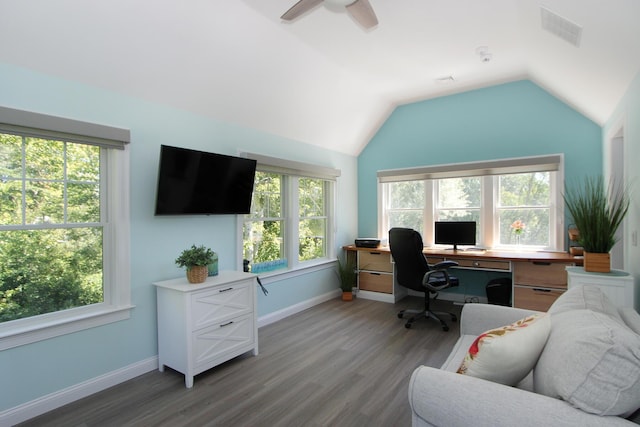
[(270, 318), (70, 394)]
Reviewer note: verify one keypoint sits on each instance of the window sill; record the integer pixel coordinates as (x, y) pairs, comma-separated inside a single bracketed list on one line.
[(26, 331), (310, 267)]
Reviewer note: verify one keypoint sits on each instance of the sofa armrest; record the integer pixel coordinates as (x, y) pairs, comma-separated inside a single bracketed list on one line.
[(478, 318), (441, 398)]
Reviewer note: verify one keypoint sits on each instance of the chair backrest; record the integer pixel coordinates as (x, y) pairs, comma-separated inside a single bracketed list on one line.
[(410, 264)]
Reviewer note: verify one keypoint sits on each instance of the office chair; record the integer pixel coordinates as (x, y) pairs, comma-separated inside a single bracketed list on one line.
[(413, 272)]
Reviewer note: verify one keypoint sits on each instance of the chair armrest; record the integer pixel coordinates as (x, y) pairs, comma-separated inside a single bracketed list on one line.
[(442, 398), (443, 264), (478, 318)]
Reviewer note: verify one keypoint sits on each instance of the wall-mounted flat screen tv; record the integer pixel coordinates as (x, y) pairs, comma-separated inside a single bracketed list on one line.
[(455, 233), (192, 182)]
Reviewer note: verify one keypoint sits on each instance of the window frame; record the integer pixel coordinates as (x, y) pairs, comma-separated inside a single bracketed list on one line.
[(114, 183), (291, 172), (489, 171)]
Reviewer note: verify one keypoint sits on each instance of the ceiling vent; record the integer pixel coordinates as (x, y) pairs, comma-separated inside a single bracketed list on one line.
[(561, 27)]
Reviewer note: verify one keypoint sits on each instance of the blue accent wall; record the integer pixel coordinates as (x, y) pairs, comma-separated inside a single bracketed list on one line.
[(510, 120), (516, 119), (32, 371)]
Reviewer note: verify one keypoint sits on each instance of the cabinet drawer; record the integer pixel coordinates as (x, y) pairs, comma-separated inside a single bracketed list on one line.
[(483, 264), (217, 340), (375, 282), (221, 303), (374, 261), (533, 298), (550, 275)]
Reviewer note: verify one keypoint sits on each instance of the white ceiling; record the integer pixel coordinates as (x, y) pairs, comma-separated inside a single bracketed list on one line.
[(322, 79)]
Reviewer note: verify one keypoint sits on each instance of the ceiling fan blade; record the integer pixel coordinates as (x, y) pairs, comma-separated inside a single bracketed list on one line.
[(362, 12), (300, 8)]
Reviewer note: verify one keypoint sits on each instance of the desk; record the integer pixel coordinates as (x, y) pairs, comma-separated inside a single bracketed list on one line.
[(538, 277)]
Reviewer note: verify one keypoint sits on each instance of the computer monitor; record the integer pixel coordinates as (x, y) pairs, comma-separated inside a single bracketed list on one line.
[(455, 233)]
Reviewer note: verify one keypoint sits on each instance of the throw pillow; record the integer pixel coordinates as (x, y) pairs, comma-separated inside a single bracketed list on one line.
[(630, 318), (584, 296), (591, 361), (507, 354)]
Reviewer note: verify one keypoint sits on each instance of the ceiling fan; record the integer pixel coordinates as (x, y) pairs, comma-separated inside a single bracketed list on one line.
[(360, 10)]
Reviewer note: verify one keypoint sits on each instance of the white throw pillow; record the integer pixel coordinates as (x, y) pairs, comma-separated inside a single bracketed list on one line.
[(506, 355)]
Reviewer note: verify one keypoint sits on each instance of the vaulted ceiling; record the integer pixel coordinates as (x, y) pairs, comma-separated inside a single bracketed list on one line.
[(323, 79)]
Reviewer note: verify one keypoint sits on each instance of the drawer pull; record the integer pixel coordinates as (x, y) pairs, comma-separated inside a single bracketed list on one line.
[(225, 290), (375, 253), (476, 264), (541, 263), (375, 274), (226, 324), (541, 290)]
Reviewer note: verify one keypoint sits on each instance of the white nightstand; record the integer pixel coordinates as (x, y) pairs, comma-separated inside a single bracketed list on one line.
[(617, 285)]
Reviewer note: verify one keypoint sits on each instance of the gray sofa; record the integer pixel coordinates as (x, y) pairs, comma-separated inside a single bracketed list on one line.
[(587, 374)]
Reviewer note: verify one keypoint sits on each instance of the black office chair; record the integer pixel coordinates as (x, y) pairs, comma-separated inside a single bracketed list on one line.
[(413, 272)]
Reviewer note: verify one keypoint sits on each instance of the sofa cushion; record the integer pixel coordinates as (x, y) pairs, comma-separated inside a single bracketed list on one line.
[(631, 318), (506, 355), (592, 361), (581, 297)]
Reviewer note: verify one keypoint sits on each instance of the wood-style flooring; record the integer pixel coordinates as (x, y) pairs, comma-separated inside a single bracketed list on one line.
[(336, 364)]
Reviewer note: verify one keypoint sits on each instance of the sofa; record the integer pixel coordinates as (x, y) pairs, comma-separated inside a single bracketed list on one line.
[(576, 365)]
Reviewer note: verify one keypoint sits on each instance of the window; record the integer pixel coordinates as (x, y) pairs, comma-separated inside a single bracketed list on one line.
[(63, 227), (292, 214), (514, 201)]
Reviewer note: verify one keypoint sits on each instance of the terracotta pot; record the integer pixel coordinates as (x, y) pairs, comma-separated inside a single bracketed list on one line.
[(347, 296), (597, 262), (197, 273)]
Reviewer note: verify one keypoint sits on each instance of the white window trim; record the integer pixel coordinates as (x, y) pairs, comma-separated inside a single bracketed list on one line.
[(487, 169), (117, 273), (292, 170)]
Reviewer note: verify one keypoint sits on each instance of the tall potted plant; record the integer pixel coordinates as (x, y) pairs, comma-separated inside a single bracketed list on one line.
[(347, 274), (597, 211)]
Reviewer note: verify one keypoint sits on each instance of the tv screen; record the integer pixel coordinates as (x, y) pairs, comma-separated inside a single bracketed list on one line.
[(196, 182), (455, 233)]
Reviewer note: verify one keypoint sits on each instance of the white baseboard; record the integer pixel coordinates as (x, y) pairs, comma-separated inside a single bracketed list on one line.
[(60, 398), (270, 318)]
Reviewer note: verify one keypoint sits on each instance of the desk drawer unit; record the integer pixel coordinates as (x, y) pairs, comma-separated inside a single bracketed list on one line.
[(536, 285), (375, 261), (532, 298), (375, 282)]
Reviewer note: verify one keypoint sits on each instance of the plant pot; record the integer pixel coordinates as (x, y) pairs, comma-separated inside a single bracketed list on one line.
[(597, 262), (197, 273), (347, 295)]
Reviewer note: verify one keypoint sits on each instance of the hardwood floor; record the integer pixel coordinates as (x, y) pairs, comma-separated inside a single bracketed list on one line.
[(336, 364)]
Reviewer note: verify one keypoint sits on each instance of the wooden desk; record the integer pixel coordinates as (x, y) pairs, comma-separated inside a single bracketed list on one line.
[(538, 278)]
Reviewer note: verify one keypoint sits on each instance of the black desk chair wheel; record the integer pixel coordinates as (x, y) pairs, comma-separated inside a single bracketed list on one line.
[(414, 272)]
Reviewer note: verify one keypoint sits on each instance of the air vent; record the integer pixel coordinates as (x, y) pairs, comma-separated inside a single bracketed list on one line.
[(561, 27)]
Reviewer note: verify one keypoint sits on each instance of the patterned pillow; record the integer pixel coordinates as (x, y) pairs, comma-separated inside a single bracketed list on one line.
[(507, 354)]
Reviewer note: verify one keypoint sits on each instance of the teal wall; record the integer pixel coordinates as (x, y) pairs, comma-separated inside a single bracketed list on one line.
[(35, 370), (510, 120)]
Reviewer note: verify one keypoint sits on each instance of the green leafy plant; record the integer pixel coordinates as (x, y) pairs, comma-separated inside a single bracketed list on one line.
[(195, 255), (597, 211), (347, 274)]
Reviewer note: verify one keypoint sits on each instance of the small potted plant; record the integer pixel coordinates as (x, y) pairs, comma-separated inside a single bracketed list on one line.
[(347, 274), (196, 259)]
